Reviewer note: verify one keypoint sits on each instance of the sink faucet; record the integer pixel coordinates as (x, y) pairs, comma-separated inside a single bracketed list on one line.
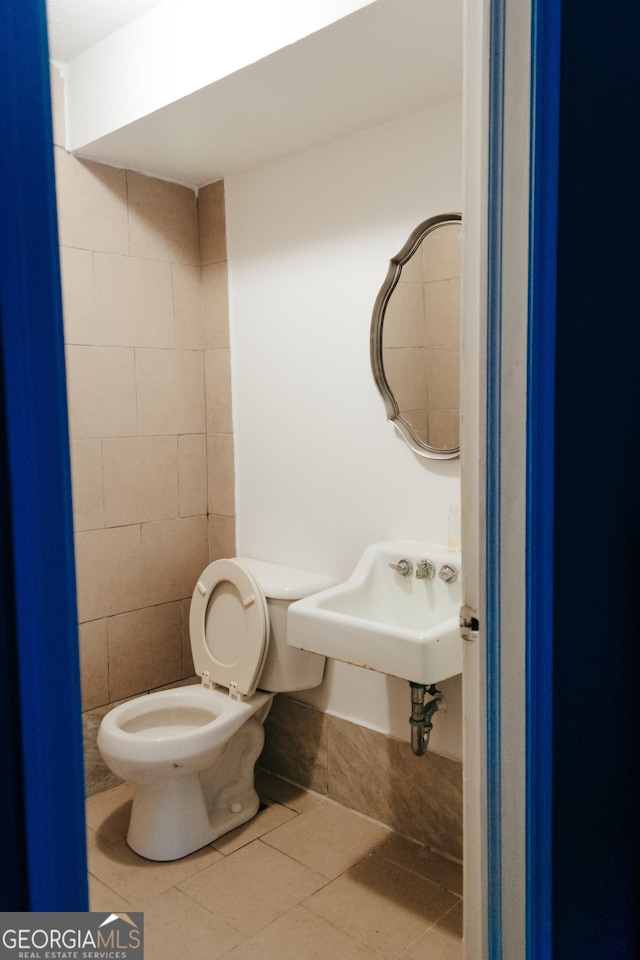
[(425, 570), (403, 567), (448, 573)]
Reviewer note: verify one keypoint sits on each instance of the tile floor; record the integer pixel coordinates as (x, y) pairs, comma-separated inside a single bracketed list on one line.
[(306, 879)]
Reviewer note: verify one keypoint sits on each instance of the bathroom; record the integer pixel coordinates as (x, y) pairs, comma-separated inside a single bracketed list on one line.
[(171, 294), (592, 859)]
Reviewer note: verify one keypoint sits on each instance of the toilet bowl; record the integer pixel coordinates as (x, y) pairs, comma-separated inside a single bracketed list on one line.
[(190, 751)]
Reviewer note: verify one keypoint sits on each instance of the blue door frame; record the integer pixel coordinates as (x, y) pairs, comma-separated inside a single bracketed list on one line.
[(582, 635), (539, 519), (42, 792), (596, 541)]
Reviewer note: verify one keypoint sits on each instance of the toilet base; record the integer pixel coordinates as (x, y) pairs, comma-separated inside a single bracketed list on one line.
[(177, 815)]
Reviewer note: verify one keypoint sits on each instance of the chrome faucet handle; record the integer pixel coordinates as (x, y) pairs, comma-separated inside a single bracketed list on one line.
[(448, 573), (425, 570), (403, 567)]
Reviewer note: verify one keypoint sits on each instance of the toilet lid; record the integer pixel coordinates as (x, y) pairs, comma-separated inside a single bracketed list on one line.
[(229, 627)]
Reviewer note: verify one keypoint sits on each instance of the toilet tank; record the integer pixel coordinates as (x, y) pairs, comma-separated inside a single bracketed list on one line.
[(285, 667)]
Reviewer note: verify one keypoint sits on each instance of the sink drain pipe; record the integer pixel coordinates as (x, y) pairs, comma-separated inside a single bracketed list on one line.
[(421, 714)]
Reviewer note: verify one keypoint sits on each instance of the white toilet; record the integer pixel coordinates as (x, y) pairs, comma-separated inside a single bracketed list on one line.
[(190, 751)]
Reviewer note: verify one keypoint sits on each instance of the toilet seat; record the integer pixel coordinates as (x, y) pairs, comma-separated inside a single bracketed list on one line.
[(229, 628)]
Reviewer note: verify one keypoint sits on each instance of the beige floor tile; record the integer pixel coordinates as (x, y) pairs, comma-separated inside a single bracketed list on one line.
[(176, 928), (300, 935), (108, 812), (139, 880), (252, 887), (265, 820), (328, 838), (432, 946), (382, 904), (424, 861), (288, 794), (105, 900), (450, 925)]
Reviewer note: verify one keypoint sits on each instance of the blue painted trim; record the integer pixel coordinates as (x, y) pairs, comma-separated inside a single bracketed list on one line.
[(545, 92), (493, 527), (14, 881), (39, 474)]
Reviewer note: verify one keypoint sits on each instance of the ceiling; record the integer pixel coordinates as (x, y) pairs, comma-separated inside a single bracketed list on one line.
[(389, 59), (76, 25)]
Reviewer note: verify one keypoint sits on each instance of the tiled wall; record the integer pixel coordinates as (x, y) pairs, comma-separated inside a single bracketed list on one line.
[(143, 265), (419, 797), (422, 339)]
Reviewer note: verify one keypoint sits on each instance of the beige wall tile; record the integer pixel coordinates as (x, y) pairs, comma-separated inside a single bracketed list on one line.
[(78, 296), (101, 387), (187, 306), (97, 775), (134, 301), (87, 486), (192, 466), (163, 220), (211, 217), (215, 305), (418, 420), (419, 797), (405, 369), (443, 372), (221, 474), (222, 537), (412, 271), (174, 554), (437, 313), (188, 669), (296, 744), (441, 253), (404, 317), (140, 479), (442, 430), (57, 105), (94, 670), (92, 204), (294, 797), (145, 649), (218, 378), (171, 391), (108, 571), (455, 308), (456, 427)]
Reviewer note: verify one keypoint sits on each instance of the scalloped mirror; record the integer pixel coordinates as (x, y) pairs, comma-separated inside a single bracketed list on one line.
[(415, 338)]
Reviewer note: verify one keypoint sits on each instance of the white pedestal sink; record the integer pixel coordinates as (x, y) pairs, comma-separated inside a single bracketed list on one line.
[(405, 626)]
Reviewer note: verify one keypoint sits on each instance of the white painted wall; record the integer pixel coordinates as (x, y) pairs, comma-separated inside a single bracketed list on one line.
[(320, 473)]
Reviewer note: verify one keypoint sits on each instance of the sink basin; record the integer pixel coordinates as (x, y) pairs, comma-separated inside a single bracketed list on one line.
[(399, 625)]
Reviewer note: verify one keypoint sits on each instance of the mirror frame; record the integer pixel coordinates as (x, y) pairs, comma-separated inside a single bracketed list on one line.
[(377, 322)]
